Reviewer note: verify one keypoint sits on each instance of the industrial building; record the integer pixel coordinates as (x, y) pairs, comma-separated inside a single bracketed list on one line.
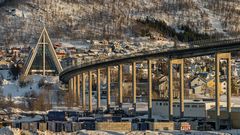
[(192, 109), (224, 122)]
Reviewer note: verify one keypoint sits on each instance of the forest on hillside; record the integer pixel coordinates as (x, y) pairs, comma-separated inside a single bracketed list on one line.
[(22, 21)]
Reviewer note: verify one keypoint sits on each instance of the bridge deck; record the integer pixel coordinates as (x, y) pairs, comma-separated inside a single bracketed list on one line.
[(193, 51)]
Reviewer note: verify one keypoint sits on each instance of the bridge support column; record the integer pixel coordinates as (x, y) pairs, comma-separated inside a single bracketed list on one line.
[(70, 88), (74, 90), (170, 93), (108, 88), (120, 84), (134, 85), (78, 89), (182, 89), (83, 92), (98, 88), (44, 55), (149, 89), (219, 56), (90, 90), (229, 90)]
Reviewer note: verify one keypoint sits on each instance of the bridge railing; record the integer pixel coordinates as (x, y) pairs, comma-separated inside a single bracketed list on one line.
[(216, 41), (195, 44), (118, 57)]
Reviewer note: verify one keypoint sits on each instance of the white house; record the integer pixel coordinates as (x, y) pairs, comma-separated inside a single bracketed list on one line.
[(197, 81)]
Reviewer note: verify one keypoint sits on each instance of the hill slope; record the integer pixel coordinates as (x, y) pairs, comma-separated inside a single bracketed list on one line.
[(21, 21)]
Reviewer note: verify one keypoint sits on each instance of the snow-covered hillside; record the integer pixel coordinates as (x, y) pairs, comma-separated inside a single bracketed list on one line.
[(21, 21), (12, 88)]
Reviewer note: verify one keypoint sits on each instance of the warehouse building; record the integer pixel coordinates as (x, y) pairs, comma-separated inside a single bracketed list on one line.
[(192, 109)]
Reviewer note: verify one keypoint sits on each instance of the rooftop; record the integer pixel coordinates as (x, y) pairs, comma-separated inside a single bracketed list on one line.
[(187, 100)]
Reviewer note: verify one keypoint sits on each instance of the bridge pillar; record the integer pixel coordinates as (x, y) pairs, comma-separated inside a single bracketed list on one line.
[(74, 90), (229, 90), (218, 57), (182, 89), (120, 84), (83, 92), (70, 88), (90, 90), (149, 89), (134, 85), (170, 93), (98, 88), (108, 88), (78, 89)]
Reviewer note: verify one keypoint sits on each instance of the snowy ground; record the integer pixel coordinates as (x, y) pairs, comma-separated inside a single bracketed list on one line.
[(11, 88), (12, 131), (234, 100), (214, 20)]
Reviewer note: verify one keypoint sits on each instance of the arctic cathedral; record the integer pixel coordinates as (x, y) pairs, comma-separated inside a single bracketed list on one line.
[(42, 59)]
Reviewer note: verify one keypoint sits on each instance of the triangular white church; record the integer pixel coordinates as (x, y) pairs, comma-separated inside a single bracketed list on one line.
[(42, 59)]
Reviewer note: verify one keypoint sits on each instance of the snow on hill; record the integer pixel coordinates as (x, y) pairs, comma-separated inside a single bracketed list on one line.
[(22, 21), (11, 88)]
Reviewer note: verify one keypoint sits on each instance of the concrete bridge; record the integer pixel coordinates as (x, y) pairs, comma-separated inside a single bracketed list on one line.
[(221, 49)]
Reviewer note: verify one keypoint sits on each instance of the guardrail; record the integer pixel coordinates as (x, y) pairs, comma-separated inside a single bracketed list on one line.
[(192, 45), (216, 41), (96, 61)]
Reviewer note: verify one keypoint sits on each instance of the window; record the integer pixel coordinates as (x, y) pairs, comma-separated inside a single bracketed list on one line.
[(187, 106), (201, 106), (165, 128), (165, 104), (160, 104), (194, 106)]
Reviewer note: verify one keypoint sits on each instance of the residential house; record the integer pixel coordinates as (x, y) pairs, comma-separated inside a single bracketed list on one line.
[(197, 81)]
